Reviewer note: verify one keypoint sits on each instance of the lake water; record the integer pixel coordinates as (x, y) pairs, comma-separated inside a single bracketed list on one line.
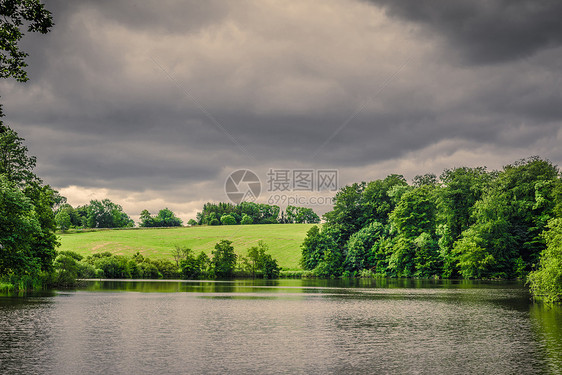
[(281, 327)]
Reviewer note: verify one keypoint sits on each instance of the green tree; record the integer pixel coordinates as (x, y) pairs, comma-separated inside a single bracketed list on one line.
[(301, 215), (15, 164), (19, 226), (347, 214), (106, 214), (146, 220), (75, 219), (16, 171), (63, 220), (461, 189), (246, 220), (166, 218), (262, 264), (510, 217), (359, 255), (16, 13), (204, 263), (428, 179), (228, 220), (376, 201), (27, 225), (188, 264), (546, 281), (224, 259), (66, 267), (415, 250), (321, 253)]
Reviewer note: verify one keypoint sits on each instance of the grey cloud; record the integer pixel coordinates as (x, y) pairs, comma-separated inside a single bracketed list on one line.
[(101, 110), (486, 31)]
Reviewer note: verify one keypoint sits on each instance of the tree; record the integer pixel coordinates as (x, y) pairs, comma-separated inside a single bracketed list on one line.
[(15, 164), (415, 213), (359, 255), (63, 220), (320, 249), (428, 179), (14, 14), (347, 214), (461, 189), (262, 264), (19, 225), (146, 219), (106, 214), (301, 215), (228, 220), (16, 170), (166, 218), (224, 259), (246, 220), (188, 264), (66, 268), (75, 219), (203, 262), (546, 281), (510, 217)]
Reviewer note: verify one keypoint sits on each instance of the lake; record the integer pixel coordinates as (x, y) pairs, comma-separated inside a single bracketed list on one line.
[(281, 327)]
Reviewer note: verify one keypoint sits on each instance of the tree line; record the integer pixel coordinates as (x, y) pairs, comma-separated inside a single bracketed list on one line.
[(106, 214), (96, 214), (253, 213), (469, 223), (224, 263), (27, 225)]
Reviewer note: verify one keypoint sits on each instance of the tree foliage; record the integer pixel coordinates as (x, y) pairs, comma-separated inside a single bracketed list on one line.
[(28, 204), (469, 223), (165, 218), (15, 15), (106, 214), (546, 281), (224, 259), (254, 213), (260, 264)]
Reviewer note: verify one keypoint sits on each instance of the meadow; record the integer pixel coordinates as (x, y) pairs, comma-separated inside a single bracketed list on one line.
[(284, 240)]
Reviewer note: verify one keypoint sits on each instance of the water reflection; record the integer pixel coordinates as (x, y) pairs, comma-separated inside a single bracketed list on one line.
[(281, 326)]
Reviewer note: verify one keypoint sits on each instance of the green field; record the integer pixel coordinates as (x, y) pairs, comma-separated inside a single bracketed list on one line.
[(284, 240)]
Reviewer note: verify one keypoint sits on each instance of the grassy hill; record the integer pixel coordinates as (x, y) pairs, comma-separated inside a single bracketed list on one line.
[(284, 240)]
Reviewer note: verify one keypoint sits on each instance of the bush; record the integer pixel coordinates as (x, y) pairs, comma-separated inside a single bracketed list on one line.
[(246, 220), (113, 267), (86, 271), (66, 270), (149, 270), (228, 220), (167, 268)]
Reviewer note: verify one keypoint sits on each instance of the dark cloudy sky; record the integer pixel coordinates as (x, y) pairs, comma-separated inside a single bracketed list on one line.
[(155, 103)]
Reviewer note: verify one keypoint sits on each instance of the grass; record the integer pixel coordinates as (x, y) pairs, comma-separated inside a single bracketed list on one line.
[(284, 240)]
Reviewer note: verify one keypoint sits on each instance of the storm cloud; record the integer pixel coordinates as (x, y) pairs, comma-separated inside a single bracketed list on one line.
[(153, 104)]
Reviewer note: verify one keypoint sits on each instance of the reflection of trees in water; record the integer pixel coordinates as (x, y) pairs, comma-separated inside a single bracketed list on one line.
[(547, 321)]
